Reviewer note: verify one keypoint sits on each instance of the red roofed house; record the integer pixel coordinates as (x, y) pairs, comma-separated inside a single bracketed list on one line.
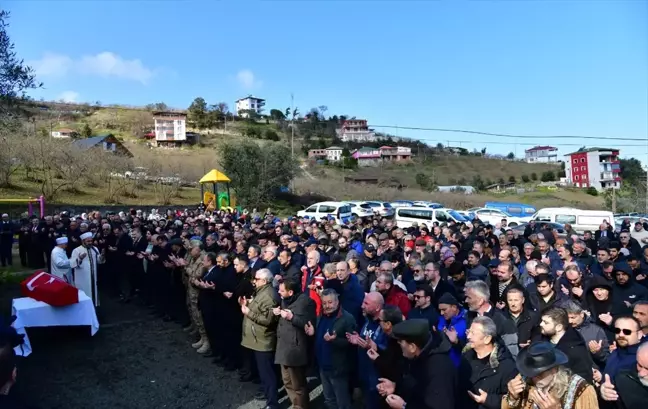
[(367, 156), (395, 153), (541, 154)]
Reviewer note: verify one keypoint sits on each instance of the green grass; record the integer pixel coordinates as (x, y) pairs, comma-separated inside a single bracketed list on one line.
[(22, 188)]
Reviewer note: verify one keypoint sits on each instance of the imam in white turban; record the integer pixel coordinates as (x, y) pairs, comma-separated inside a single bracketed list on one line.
[(87, 235), (61, 240)]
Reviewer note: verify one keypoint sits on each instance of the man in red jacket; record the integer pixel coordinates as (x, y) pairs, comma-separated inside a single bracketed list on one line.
[(393, 294)]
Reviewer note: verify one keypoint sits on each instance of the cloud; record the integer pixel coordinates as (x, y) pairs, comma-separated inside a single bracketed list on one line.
[(52, 65), (68, 96), (247, 80), (105, 64)]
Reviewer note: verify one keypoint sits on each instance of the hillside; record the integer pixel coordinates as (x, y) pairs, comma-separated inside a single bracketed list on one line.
[(190, 163), (454, 170)]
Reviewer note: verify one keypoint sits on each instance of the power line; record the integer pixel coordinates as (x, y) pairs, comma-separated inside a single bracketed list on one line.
[(507, 143), (413, 128)]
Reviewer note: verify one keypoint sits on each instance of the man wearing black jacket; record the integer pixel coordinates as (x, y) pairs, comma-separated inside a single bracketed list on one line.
[(389, 362), (555, 327), (518, 311), (288, 268), (486, 368), (430, 380)]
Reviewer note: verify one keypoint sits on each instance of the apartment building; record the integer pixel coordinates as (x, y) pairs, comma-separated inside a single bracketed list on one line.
[(170, 128), (596, 167), (249, 103)]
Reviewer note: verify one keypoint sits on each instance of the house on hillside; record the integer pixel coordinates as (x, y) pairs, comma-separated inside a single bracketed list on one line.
[(541, 154), (356, 130), (64, 133), (170, 129), (367, 156), (105, 142), (500, 187), (249, 103), (317, 154), (334, 154), (395, 153)]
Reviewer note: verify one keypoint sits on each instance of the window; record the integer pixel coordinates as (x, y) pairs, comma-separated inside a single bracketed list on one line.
[(326, 209), (576, 177), (575, 160), (582, 160), (344, 209), (584, 177), (311, 209), (416, 214), (565, 218), (529, 210), (583, 168), (516, 210), (441, 216)]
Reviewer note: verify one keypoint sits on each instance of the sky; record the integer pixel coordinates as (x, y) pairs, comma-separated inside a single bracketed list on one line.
[(527, 67)]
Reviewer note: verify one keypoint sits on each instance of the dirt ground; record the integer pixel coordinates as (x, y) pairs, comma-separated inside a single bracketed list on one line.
[(134, 361)]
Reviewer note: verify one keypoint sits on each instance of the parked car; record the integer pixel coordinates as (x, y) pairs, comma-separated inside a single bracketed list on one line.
[(424, 203), (580, 220), (381, 208), (406, 216), (339, 211), (402, 203), (467, 214), (495, 216), (361, 209), (521, 210)]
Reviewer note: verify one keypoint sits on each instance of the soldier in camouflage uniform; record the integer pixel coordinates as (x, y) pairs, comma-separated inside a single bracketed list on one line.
[(195, 270)]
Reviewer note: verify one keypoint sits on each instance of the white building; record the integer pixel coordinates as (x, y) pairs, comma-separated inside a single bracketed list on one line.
[(541, 154), (356, 130), (594, 167), (170, 128), (64, 133), (334, 154), (249, 103)]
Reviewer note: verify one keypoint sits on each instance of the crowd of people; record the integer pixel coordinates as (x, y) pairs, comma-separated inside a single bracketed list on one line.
[(441, 316)]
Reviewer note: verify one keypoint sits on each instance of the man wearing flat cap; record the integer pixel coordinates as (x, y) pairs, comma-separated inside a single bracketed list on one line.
[(545, 383), (430, 380)]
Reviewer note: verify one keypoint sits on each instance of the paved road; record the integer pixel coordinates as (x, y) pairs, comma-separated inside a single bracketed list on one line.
[(134, 361)]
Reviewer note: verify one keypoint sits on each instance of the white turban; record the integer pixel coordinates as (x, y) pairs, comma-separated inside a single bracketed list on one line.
[(87, 235), (61, 240)]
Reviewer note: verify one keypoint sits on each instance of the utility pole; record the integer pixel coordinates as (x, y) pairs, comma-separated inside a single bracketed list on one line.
[(292, 126), (292, 135), (613, 200), (646, 168)]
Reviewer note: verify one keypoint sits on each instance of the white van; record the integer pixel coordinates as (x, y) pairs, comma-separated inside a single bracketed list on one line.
[(406, 216), (580, 220), (339, 211)]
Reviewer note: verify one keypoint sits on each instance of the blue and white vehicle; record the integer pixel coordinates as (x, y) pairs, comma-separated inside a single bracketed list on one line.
[(338, 211), (519, 210)]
